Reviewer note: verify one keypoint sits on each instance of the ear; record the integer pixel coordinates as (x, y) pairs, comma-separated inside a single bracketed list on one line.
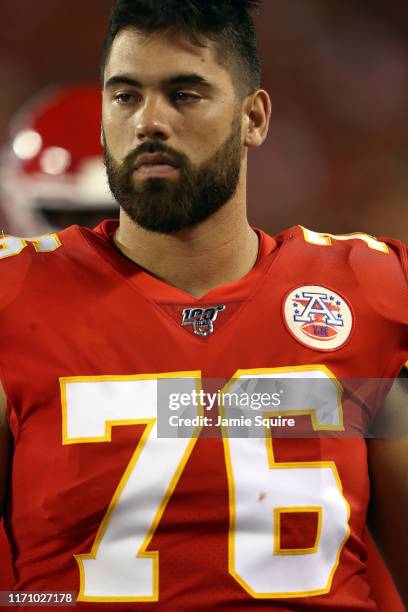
[(257, 110)]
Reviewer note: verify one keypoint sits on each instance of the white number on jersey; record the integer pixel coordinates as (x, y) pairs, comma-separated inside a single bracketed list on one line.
[(118, 568)]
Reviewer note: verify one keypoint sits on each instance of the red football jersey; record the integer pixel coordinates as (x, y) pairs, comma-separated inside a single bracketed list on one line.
[(103, 505)]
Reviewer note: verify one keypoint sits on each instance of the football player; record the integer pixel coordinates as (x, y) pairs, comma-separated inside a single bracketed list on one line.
[(104, 330)]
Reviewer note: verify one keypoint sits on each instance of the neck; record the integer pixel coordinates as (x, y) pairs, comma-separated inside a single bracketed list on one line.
[(218, 251)]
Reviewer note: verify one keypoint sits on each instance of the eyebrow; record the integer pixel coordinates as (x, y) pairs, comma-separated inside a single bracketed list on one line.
[(179, 79)]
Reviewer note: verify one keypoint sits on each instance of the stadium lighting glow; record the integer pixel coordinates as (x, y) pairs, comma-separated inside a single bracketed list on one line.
[(55, 160), (27, 144)]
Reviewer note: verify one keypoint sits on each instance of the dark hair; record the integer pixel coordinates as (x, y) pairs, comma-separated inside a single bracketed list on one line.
[(226, 22)]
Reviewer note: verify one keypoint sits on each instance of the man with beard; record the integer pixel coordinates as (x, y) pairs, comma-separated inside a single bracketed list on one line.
[(146, 314)]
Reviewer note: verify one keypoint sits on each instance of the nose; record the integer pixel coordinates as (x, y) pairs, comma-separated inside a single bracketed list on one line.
[(152, 120)]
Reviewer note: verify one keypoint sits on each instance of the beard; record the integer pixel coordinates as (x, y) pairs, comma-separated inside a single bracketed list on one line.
[(167, 206)]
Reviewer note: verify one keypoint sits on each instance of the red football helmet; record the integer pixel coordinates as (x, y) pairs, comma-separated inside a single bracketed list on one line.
[(52, 173)]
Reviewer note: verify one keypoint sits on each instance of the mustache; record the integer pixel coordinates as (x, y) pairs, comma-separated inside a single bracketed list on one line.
[(179, 159)]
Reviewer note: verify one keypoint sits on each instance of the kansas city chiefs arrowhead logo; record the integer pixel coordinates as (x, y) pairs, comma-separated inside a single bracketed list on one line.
[(318, 317)]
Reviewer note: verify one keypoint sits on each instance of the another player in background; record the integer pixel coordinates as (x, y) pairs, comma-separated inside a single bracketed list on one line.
[(182, 289), (51, 172)]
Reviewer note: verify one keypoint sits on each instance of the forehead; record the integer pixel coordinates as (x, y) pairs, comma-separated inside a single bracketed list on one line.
[(153, 57)]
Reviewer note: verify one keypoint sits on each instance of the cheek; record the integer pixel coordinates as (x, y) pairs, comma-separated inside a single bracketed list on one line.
[(203, 142), (117, 136)]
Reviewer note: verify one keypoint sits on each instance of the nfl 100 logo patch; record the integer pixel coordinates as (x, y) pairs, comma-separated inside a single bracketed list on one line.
[(202, 319), (318, 317)]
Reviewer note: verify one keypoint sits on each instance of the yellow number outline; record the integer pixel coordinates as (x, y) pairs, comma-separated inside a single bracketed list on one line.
[(277, 531), (149, 423), (273, 464), (325, 239), (21, 243), (142, 552)]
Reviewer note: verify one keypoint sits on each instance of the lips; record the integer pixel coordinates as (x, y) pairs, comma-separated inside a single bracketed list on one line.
[(154, 159), (156, 165)]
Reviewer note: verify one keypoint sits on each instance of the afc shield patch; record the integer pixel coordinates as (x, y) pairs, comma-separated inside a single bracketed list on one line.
[(318, 317)]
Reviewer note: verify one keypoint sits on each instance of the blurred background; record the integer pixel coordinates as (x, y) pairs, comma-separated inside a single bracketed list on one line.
[(336, 159)]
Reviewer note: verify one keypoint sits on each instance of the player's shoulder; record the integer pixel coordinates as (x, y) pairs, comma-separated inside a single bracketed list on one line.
[(375, 269), (31, 268), (30, 263), (358, 250), (17, 252)]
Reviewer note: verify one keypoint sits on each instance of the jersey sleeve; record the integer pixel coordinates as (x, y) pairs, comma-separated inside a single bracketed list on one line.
[(21, 286), (383, 278)]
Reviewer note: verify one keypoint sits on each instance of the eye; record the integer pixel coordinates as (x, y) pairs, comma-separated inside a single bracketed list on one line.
[(124, 98), (185, 96)]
